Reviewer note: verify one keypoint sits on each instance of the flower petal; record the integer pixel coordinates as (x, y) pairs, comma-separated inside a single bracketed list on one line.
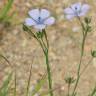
[(76, 7), (68, 11), (69, 17), (29, 22), (44, 14), (40, 26), (49, 21), (84, 9), (34, 13)]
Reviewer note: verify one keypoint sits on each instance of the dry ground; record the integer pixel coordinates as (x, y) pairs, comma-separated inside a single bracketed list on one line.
[(64, 54)]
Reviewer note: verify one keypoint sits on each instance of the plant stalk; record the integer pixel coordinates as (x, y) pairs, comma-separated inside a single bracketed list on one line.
[(49, 73), (79, 67)]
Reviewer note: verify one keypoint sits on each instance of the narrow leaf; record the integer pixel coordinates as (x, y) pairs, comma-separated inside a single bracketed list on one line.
[(6, 9)]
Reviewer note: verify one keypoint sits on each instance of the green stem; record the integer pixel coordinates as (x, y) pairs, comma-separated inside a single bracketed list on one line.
[(79, 67), (49, 73), (86, 66), (43, 43), (46, 39), (15, 83), (45, 50), (82, 25), (68, 89), (29, 79)]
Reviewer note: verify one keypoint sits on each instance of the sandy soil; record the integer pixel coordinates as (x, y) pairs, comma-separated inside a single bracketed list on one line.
[(21, 50)]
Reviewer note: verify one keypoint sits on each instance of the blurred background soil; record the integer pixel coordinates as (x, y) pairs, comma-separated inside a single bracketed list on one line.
[(64, 38)]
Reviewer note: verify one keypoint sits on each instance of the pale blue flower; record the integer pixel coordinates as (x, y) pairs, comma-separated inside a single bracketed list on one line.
[(76, 9), (39, 18)]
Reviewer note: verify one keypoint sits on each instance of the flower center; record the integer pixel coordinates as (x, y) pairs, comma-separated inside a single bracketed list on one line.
[(77, 11), (40, 21), (76, 8)]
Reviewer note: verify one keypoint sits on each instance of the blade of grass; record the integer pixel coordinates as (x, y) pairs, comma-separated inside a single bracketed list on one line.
[(93, 93), (39, 85), (6, 9), (5, 87), (48, 92), (15, 80), (6, 60), (9, 18), (29, 79)]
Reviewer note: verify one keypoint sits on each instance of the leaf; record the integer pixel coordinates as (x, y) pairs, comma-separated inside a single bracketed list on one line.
[(5, 10), (39, 85), (93, 93), (47, 93), (5, 87)]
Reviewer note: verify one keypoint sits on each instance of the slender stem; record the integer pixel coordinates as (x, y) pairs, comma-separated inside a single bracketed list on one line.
[(86, 66), (49, 73), (82, 25), (46, 39), (43, 44), (15, 82), (29, 79), (45, 93), (79, 67), (45, 50), (78, 76), (68, 89)]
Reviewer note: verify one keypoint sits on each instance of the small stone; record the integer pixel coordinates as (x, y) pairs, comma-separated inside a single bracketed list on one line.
[(76, 29)]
